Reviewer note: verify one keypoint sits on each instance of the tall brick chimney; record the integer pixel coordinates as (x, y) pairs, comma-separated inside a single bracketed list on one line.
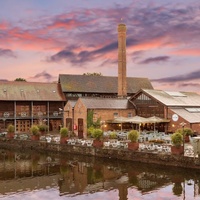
[(122, 85)]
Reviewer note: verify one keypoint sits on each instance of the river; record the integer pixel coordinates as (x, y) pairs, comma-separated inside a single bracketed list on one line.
[(32, 175)]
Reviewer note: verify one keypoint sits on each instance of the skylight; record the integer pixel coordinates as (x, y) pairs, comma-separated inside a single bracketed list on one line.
[(176, 94), (197, 110)]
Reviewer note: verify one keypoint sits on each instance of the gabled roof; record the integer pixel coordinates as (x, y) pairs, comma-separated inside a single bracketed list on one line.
[(106, 103), (72, 102), (169, 98), (30, 91), (100, 84)]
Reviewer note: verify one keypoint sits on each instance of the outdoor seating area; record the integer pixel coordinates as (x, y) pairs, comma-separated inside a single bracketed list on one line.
[(154, 142)]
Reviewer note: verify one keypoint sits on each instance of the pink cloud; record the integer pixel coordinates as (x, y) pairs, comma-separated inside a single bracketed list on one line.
[(153, 44), (187, 52)]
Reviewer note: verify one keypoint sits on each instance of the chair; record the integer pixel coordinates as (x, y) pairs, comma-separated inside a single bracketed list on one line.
[(89, 143), (83, 142), (142, 147), (48, 139), (106, 144)]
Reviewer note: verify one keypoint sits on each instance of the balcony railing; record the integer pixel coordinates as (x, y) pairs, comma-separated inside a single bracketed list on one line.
[(25, 115)]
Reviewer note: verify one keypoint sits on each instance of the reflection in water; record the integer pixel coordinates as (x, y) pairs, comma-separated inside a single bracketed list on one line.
[(75, 177)]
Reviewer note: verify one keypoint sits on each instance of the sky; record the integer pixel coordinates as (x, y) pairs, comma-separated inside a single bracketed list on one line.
[(40, 39)]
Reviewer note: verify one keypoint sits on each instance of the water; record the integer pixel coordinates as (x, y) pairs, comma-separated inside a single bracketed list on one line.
[(32, 175)]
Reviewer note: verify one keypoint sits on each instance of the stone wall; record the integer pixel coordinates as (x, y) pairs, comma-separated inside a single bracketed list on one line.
[(110, 153)]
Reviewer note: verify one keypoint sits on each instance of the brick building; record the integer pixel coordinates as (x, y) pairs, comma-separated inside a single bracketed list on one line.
[(26, 103), (102, 109), (177, 107)]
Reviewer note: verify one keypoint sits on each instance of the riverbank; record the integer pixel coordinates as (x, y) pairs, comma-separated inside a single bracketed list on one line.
[(166, 159)]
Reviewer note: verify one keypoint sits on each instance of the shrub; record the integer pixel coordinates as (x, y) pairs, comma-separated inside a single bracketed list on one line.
[(43, 127), (90, 130), (113, 135), (133, 135), (186, 131), (97, 134), (34, 130), (64, 132), (177, 139), (11, 128)]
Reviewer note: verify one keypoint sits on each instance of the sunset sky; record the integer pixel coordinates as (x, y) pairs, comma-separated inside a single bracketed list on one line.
[(40, 39)]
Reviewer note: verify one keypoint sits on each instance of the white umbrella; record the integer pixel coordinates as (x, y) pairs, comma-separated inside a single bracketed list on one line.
[(137, 120), (155, 119), (120, 120)]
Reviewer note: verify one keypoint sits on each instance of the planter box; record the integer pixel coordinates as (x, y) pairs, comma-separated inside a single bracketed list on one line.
[(35, 137), (10, 135), (187, 139), (63, 140), (97, 143), (177, 150), (133, 146)]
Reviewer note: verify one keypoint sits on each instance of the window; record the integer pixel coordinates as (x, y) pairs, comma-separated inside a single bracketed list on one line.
[(115, 115), (129, 114)]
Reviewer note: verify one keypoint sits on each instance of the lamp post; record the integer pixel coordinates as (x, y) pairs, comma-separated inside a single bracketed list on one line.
[(183, 125)]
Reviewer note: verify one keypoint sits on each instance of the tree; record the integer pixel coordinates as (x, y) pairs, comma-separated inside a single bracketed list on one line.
[(93, 74), (20, 79)]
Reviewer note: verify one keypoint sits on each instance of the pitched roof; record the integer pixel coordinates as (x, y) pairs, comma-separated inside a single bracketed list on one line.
[(191, 117), (106, 103), (100, 84), (30, 91), (72, 102), (169, 98)]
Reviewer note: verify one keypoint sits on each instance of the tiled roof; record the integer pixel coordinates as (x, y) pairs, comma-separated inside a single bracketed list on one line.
[(72, 102), (106, 103), (100, 84), (175, 98), (30, 91), (188, 116)]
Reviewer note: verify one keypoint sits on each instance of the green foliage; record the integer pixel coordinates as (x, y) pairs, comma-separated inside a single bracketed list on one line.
[(97, 133), (11, 128), (97, 124), (92, 74), (113, 135), (34, 130), (185, 131), (90, 130), (64, 132), (20, 79), (133, 135), (90, 121), (177, 139), (43, 127), (90, 114)]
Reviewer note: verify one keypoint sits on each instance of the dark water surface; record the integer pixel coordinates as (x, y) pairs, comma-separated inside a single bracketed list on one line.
[(32, 175)]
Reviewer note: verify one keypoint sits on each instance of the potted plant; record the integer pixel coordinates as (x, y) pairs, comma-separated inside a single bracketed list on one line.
[(63, 135), (35, 132), (133, 136), (43, 128), (11, 131), (186, 132), (97, 134), (177, 141), (113, 135)]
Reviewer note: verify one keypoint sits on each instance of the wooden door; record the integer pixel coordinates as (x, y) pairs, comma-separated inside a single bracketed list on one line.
[(69, 123), (80, 128)]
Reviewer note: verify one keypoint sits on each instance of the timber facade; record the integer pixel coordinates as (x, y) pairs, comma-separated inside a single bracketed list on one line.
[(24, 104)]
